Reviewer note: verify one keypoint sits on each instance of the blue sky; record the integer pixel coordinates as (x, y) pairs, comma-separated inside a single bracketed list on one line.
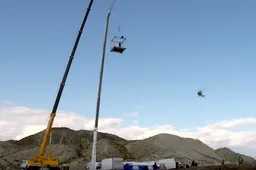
[(174, 48)]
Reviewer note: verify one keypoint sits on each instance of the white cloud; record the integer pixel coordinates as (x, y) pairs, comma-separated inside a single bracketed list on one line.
[(18, 122), (135, 121), (234, 123)]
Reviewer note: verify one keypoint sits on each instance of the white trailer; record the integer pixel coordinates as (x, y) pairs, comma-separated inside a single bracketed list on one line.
[(169, 163), (112, 164)]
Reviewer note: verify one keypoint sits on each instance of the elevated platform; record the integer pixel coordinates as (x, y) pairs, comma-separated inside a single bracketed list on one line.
[(117, 44), (118, 49)]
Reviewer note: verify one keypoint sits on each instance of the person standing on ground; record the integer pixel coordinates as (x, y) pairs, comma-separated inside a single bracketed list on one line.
[(155, 166)]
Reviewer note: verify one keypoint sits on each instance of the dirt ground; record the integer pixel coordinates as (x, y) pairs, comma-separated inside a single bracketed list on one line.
[(226, 167)]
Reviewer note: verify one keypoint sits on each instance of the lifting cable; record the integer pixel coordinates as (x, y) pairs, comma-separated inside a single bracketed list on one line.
[(111, 6)]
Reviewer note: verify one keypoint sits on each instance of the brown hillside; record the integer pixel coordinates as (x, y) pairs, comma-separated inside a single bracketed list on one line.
[(68, 146), (74, 147), (232, 156), (166, 145), (66, 136)]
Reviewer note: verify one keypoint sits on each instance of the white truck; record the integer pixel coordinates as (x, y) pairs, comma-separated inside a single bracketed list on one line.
[(112, 164)]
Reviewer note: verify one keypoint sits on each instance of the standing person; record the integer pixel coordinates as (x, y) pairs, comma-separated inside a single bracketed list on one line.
[(240, 160), (155, 166)]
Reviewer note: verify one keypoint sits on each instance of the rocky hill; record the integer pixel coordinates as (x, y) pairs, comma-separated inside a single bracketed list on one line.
[(74, 147), (232, 156), (166, 145)]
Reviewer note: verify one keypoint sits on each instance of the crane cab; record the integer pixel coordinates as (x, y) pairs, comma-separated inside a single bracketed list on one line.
[(118, 44)]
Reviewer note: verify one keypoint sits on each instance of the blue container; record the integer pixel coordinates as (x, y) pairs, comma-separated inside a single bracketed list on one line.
[(130, 167)]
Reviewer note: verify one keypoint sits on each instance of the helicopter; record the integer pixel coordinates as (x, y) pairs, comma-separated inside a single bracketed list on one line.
[(200, 93)]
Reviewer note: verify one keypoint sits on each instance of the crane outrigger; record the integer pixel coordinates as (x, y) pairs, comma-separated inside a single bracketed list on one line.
[(40, 161)]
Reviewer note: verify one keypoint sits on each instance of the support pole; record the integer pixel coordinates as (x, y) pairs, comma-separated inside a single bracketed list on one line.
[(95, 132)]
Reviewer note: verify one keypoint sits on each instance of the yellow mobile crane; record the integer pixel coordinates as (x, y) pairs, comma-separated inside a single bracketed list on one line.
[(40, 161)]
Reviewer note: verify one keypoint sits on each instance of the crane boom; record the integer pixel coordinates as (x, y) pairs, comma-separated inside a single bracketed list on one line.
[(40, 159), (62, 85)]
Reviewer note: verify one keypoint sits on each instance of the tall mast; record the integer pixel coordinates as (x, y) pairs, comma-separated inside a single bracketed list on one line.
[(95, 132)]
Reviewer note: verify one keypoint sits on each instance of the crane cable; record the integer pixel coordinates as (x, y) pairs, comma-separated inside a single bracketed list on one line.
[(110, 10), (111, 6)]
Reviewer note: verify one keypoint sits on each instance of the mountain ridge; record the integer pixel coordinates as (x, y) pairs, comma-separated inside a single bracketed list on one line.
[(228, 154), (74, 147)]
